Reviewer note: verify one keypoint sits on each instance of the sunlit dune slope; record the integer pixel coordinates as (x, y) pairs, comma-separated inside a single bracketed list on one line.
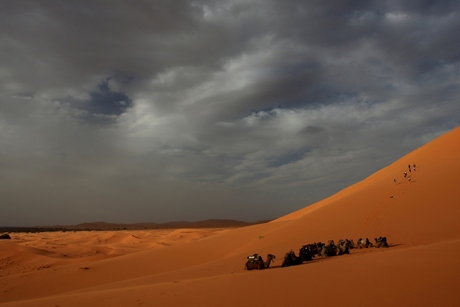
[(422, 209)]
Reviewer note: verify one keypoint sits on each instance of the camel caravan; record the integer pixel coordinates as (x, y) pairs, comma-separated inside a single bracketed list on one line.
[(309, 251)]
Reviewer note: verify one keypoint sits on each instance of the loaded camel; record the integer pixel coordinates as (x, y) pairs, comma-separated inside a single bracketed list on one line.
[(335, 250), (381, 242), (364, 243), (256, 262), (290, 258), (350, 243), (314, 248)]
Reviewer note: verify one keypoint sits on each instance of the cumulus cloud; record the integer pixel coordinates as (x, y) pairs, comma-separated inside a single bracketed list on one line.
[(131, 112)]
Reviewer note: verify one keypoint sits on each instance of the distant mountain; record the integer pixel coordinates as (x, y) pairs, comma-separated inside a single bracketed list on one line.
[(211, 223)]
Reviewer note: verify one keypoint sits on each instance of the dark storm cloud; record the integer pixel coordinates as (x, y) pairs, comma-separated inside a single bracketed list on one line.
[(103, 105), (167, 110)]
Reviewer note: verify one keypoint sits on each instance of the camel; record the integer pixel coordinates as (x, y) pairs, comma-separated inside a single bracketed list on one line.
[(291, 259), (256, 262), (329, 250), (364, 243), (314, 248), (335, 250), (350, 243), (344, 246), (381, 242), (305, 254)]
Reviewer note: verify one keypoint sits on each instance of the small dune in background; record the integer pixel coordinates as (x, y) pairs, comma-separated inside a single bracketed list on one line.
[(204, 266)]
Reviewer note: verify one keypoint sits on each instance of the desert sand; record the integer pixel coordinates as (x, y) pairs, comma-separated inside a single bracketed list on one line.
[(204, 267)]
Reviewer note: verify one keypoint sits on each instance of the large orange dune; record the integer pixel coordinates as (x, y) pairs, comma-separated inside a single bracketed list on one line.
[(204, 267)]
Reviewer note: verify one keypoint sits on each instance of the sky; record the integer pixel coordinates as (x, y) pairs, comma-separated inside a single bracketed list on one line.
[(155, 111)]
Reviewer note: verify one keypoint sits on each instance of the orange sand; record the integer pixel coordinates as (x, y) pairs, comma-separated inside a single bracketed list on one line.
[(204, 267)]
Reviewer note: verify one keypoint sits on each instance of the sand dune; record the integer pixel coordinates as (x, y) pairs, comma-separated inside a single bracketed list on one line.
[(204, 267)]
